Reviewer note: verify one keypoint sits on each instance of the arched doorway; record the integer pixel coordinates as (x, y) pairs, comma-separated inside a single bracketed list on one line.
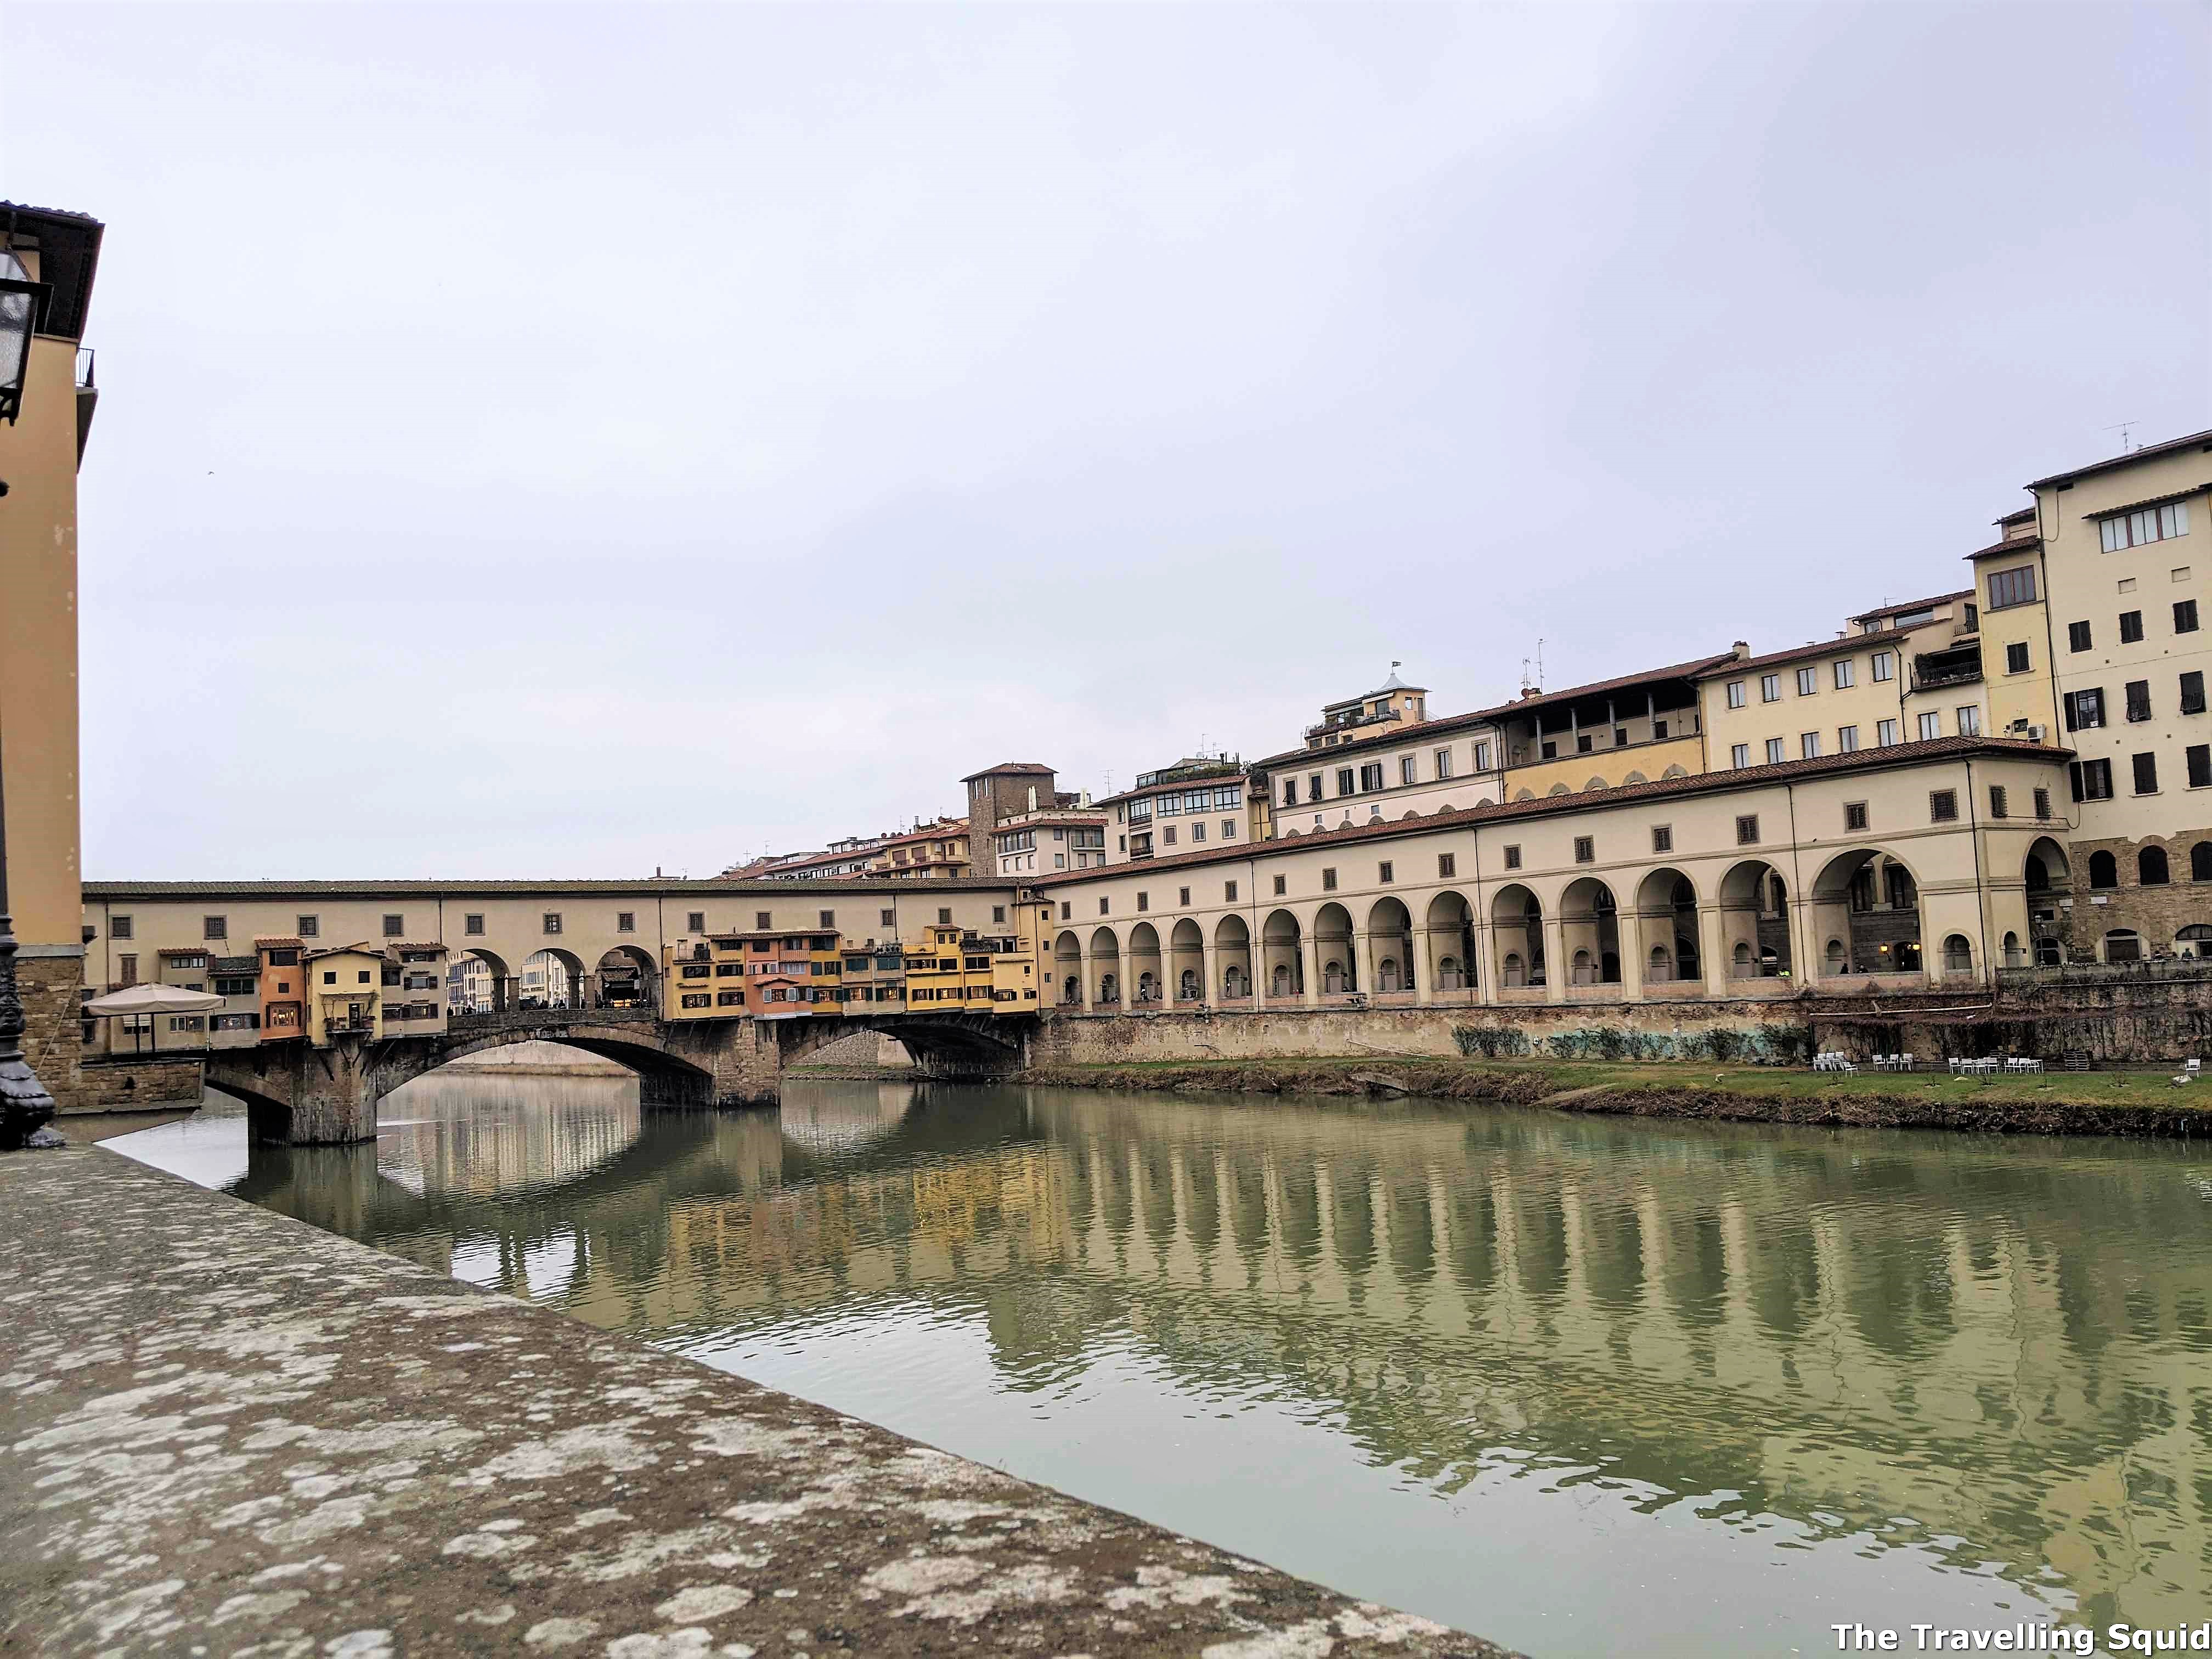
[(1067, 988), (479, 982), (1755, 941), (625, 979), (1147, 975), (1589, 933), (1517, 929), (2050, 885), (1870, 900), (1185, 967), (1232, 949), (1451, 944), (1666, 928), (1390, 947), (552, 978), (1333, 951), (1282, 959), (1105, 970)]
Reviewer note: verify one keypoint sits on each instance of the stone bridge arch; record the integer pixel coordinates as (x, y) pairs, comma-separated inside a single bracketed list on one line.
[(943, 1045)]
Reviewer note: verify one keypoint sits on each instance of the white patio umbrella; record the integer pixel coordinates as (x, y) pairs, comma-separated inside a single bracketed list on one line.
[(154, 999)]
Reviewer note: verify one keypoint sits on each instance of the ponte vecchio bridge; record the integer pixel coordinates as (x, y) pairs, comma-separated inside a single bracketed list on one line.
[(609, 967)]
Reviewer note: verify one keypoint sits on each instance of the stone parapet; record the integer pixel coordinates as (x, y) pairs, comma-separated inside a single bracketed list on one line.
[(53, 1038), (227, 1427)]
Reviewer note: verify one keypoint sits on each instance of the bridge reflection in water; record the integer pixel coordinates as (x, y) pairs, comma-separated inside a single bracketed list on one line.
[(1551, 1378)]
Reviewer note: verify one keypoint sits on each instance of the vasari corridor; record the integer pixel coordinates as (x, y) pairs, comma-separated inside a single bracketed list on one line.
[(1110, 831)]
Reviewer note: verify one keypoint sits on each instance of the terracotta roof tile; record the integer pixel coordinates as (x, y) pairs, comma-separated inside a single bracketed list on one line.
[(2148, 452), (1914, 604), (1999, 550)]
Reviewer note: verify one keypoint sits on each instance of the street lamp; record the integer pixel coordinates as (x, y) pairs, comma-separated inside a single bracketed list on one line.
[(25, 1105)]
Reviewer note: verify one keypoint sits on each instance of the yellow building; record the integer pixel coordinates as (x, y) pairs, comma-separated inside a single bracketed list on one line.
[(47, 261), (346, 987)]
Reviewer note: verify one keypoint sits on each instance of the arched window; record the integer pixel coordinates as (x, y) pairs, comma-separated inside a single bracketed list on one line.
[(1386, 974), (2038, 875), (1743, 958), (1674, 772), (2200, 861), (2150, 866), (2123, 944), (1331, 978), (2015, 957), (1108, 988), (2104, 870), (1581, 971), (2194, 940), (1836, 964), (1958, 955), (1516, 972), (1448, 974), (1148, 989), (1561, 789), (1280, 985), (1188, 984), (1661, 970), (1232, 981)]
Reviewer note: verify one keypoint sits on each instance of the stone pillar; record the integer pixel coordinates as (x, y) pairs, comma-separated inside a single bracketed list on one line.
[(1555, 959), (1631, 956), (1083, 970), (1363, 953), (1422, 982), (1209, 972), (1712, 946), (1310, 961)]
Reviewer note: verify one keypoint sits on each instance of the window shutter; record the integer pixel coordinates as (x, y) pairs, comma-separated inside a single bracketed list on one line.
[(2074, 777), (2073, 724)]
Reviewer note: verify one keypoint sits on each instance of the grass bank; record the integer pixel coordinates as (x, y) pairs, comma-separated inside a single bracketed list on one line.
[(2140, 1104)]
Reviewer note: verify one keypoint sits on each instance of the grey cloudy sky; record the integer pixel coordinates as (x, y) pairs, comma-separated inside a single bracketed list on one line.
[(568, 440)]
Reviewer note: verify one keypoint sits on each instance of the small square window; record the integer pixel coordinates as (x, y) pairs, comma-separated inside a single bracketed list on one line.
[(1144, 900), (472, 923), (2185, 616), (1845, 672), (1997, 809), (1808, 745), (1740, 756), (394, 926), (1809, 682), (1735, 694), (1408, 772), (884, 919), (998, 914), (1513, 858), (1102, 907), (1385, 872), (2016, 657), (1329, 880), (1585, 849), (1747, 830), (944, 917), (1066, 911), (1770, 688), (1279, 886), (1448, 863), (2199, 756), (1774, 752), (1229, 892), (1943, 805), (1182, 897), (2130, 627), (625, 922), (311, 926), (1662, 837), (1855, 815), (2077, 636), (2043, 806), (552, 921), (1583, 744), (219, 927), (762, 920), (119, 927)]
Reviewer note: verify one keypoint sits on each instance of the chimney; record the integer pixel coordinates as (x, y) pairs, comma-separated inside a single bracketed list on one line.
[(1742, 649)]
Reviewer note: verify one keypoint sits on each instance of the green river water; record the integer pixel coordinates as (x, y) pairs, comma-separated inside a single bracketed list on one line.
[(1585, 1387)]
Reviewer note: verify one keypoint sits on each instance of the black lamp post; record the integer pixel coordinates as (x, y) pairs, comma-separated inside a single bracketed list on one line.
[(25, 1105)]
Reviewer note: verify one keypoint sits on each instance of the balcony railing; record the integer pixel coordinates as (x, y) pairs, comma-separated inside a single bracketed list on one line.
[(1322, 728), (84, 380)]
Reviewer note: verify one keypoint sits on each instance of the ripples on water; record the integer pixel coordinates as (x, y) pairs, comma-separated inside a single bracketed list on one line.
[(1584, 1387)]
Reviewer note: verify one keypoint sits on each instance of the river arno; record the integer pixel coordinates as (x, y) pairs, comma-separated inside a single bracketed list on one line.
[(1586, 1387)]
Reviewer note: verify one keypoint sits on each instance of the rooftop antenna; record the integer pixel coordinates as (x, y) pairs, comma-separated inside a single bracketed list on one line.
[(1109, 783), (1529, 686), (2124, 428)]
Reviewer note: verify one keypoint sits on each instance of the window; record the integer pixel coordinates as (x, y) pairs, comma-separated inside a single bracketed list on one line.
[(552, 921), (1770, 688), (2085, 710), (1847, 740), (2185, 615), (1329, 880), (1662, 837), (1997, 801), (1658, 730), (1408, 772), (472, 924), (1740, 756), (1808, 681), (2077, 636), (1444, 760), (1735, 694), (2042, 805), (219, 927), (2138, 700), (394, 926), (2011, 587), (1103, 903), (1855, 815), (1844, 673), (1182, 897), (1289, 791), (1942, 806), (1370, 775), (1885, 665), (1970, 721), (1747, 830), (1144, 900), (1808, 745), (120, 927), (2146, 770), (1066, 911), (944, 917), (2130, 627), (2150, 866), (1774, 752), (1447, 864), (2192, 692), (1513, 858), (1313, 786), (762, 918), (329, 979), (127, 966), (625, 922), (1281, 885), (2140, 528), (1229, 892), (1931, 724), (1620, 737), (2200, 765), (2091, 779), (1585, 849), (1385, 872), (1885, 733), (1168, 836), (1229, 829)]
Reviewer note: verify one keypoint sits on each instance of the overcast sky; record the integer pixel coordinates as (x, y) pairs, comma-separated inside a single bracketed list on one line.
[(568, 441)]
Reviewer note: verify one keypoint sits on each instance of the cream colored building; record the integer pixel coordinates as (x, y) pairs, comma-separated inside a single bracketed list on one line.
[(1699, 887), (1200, 801), (1376, 756), (40, 448)]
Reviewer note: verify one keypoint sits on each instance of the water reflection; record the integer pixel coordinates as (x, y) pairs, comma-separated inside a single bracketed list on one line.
[(1558, 1381)]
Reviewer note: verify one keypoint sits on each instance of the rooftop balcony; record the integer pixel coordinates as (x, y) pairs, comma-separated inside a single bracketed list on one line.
[(1343, 724)]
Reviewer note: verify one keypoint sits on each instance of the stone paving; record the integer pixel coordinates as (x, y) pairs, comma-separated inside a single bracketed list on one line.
[(222, 1431)]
